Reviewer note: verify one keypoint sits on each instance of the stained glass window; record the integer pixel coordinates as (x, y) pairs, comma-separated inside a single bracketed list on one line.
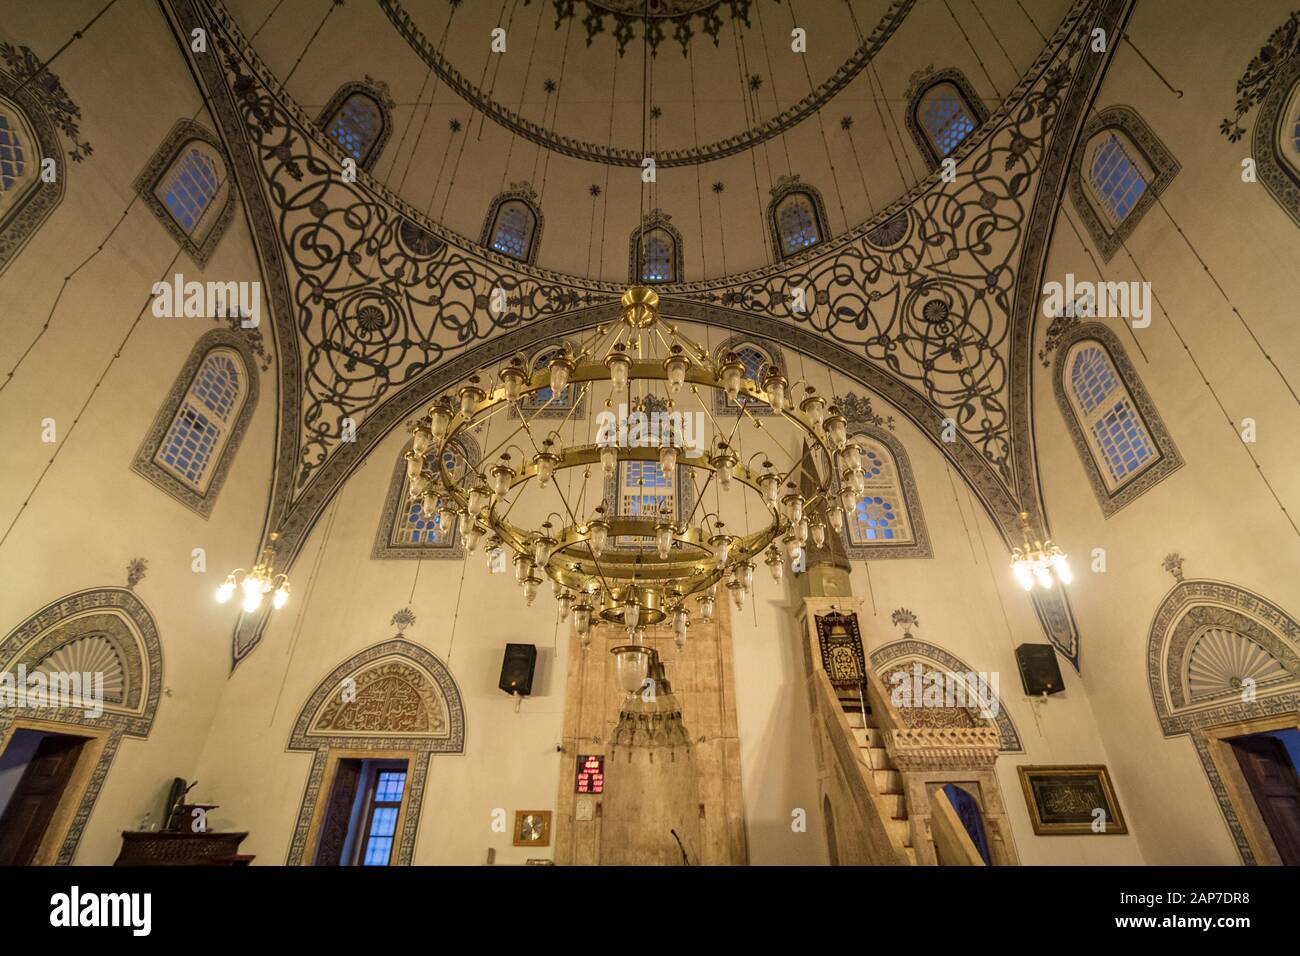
[(413, 528), (756, 365), (512, 230), (657, 256), (13, 157), (381, 832), (797, 223), (189, 186), (203, 420), (540, 397), (946, 117), (881, 515), (644, 492), (1116, 432), (356, 126), (1117, 179)]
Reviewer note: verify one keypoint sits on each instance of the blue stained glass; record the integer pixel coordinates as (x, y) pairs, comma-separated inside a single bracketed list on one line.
[(946, 118), (512, 232), (1117, 181), (355, 126), (188, 187), (796, 222), (657, 258), (12, 160)]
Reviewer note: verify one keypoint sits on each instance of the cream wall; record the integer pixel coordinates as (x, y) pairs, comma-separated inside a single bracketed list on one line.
[(90, 514), (1215, 511)]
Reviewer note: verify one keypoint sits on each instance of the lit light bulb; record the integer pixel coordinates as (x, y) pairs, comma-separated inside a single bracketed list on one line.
[(226, 590), (801, 531), (775, 564), (721, 547), (631, 612), (470, 538), (530, 591), (1062, 568), (439, 420), (1043, 577), (681, 620), (852, 456), (511, 380), (776, 392), (541, 550), (599, 531), (479, 498), (414, 465), (793, 505), (559, 376), (731, 379), (819, 534), (252, 588), (252, 602), (545, 467), (676, 365), (421, 441), (281, 596), (619, 366), (1023, 577), (837, 429), (706, 608), (501, 477), (609, 460), (814, 406), (792, 547), (738, 597), (771, 486), (564, 604), (858, 480)]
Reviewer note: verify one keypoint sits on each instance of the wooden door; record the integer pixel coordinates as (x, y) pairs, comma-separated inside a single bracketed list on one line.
[(36, 798), (338, 814), (1273, 781)]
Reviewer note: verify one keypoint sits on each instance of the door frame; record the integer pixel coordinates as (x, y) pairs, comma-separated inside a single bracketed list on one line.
[(74, 792), (1235, 785), (332, 756)]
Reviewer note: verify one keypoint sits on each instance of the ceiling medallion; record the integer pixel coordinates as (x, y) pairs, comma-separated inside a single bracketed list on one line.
[(633, 567)]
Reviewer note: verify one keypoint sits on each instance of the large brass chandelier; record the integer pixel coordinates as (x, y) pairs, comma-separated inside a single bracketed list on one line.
[(675, 560)]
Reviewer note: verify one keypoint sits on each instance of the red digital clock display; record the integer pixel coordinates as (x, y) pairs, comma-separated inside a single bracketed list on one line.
[(591, 773)]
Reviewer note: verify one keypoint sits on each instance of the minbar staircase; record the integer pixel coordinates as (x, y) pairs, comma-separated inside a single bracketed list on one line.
[(888, 780)]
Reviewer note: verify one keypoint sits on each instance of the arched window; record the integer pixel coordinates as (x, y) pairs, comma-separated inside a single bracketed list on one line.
[(797, 217), (405, 531), (1117, 175), (645, 493), (1113, 421), (944, 110), (195, 434), (656, 250), (513, 225), (357, 120), (1276, 140), (25, 200), (187, 184), (758, 360), (881, 515), (887, 523)]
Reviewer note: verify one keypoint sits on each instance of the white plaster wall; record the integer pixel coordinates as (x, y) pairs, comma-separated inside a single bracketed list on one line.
[(90, 514), (1215, 511)]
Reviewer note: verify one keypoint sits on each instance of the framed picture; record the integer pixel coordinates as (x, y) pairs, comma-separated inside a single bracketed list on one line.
[(532, 828), (1072, 801)]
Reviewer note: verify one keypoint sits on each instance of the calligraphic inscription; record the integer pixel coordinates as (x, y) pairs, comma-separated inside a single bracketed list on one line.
[(841, 647)]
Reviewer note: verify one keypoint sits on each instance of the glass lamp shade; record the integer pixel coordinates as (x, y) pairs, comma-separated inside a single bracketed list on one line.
[(545, 462), (819, 534), (747, 576), (599, 535), (737, 595), (1061, 567), (731, 375), (775, 564), (775, 386), (619, 366), (471, 537), (801, 531), (421, 484), (446, 519), (542, 549), (837, 430), (667, 459), (849, 499), (563, 605), (501, 477), (631, 664), (852, 456), (281, 596), (421, 441), (582, 619), (479, 498), (681, 621), (512, 379), (226, 590), (1021, 570), (835, 515), (428, 505), (609, 460), (857, 481), (706, 603), (560, 369), (664, 540), (814, 406), (771, 486), (631, 613), (530, 590), (523, 568), (793, 507), (721, 544), (470, 396), (439, 420), (792, 547), (414, 465), (675, 366), (252, 602)]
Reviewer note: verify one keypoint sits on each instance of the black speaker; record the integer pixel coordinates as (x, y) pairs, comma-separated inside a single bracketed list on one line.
[(1038, 670), (517, 669)]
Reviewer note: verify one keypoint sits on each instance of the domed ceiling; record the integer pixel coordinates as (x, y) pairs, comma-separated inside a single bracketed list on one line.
[(924, 291), (732, 109)]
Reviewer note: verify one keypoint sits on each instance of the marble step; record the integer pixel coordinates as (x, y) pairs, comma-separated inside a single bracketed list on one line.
[(888, 781)]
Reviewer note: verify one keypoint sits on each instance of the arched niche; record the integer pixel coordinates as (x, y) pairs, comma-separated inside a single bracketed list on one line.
[(106, 631), (392, 700)]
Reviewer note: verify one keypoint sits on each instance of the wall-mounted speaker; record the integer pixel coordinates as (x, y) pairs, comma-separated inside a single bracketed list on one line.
[(517, 667), (1038, 669)]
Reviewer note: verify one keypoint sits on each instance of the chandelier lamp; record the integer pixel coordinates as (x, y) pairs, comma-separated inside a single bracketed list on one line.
[(254, 584), (1038, 562), (636, 571)]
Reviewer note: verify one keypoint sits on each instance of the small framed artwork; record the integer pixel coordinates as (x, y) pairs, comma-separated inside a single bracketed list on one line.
[(532, 828), (1072, 801)]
